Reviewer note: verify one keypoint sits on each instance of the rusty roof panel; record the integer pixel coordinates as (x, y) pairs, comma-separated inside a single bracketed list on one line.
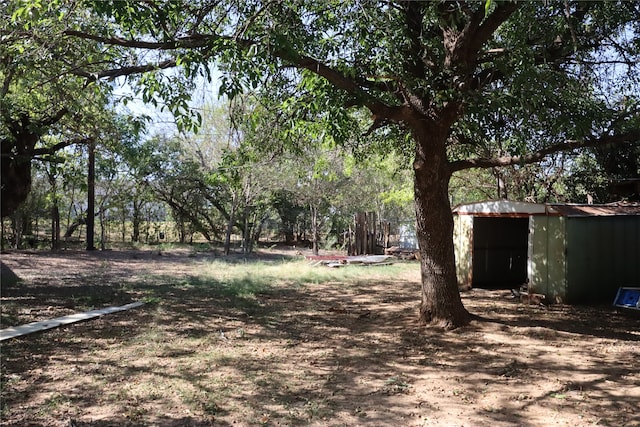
[(595, 210)]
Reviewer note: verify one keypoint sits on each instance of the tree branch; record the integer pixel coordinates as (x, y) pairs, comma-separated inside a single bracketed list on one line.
[(486, 77), (379, 109), (478, 31), (55, 118), (125, 71), (414, 15), (486, 29), (193, 41), (463, 44), (59, 146), (7, 82), (296, 60), (569, 145), (335, 77)]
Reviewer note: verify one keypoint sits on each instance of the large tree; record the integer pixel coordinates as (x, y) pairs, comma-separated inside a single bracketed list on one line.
[(41, 94), (474, 84), (49, 98)]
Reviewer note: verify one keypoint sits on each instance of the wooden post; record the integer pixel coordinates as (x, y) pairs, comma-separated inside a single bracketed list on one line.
[(371, 233), (386, 233), (359, 246)]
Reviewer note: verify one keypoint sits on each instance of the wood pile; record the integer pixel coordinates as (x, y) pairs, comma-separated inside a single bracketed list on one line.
[(402, 253)]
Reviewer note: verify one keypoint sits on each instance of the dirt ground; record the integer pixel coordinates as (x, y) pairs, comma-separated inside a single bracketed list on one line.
[(324, 353)]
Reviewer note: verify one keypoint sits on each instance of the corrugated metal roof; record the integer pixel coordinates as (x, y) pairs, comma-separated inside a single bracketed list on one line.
[(595, 210), (500, 208), (506, 208)]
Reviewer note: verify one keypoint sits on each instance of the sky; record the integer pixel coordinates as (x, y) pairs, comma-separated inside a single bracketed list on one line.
[(163, 122)]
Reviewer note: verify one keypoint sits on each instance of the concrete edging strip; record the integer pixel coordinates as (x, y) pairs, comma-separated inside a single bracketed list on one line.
[(29, 328)]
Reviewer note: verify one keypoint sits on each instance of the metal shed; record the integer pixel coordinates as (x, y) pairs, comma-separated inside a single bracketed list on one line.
[(570, 253)]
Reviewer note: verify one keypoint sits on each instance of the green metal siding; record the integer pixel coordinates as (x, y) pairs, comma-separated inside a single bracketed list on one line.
[(463, 244), (538, 269), (556, 255), (602, 255), (547, 257)]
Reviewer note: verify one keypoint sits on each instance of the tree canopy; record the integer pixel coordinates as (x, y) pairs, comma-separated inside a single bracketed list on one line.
[(458, 85), (50, 93)]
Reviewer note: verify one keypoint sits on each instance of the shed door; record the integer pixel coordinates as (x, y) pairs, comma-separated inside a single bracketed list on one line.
[(500, 252)]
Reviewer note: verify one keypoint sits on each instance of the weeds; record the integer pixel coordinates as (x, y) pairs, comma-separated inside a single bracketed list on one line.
[(53, 404)]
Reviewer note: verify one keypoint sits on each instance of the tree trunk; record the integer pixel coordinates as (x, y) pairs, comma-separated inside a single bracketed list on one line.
[(91, 196), (123, 223), (136, 220), (103, 233), (55, 226), (2, 233), (441, 303), (253, 233), (80, 220), (16, 228), (55, 213), (246, 233), (69, 211), (314, 230), (147, 226), (179, 221), (501, 185), (227, 237), (16, 171), (257, 231)]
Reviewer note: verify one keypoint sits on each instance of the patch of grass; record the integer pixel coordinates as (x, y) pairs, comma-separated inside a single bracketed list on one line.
[(316, 409), (200, 400), (89, 302), (261, 275), (152, 300), (219, 284), (243, 285), (151, 340), (53, 404), (396, 384), (134, 411), (168, 246), (244, 280), (8, 315), (119, 395), (189, 362)]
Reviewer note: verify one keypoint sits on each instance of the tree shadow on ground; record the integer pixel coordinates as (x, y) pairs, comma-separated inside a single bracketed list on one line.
[(244, 352), (7, 276), (593, 320), (99, 279)]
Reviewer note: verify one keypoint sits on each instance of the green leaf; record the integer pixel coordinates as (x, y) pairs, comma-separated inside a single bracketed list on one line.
[(487, 6)]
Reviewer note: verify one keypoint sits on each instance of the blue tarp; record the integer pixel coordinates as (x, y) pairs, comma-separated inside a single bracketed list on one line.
[(628, 298)]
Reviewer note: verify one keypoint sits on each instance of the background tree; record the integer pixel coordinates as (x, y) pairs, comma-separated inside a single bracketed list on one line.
[(41, 92), (604, 175), (179, 181), (51, 98), (549, 76), (231, 164)]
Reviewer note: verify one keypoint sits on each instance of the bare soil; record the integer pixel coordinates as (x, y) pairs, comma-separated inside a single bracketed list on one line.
[(321, 354)]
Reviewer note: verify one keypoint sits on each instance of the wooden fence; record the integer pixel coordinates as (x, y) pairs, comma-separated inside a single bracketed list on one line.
[(369, 236)]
